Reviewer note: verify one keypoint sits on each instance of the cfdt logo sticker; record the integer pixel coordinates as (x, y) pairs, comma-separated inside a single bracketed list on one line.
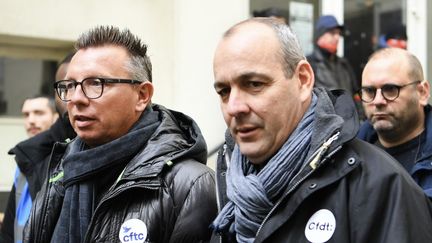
[(321, 226), (133, 231)]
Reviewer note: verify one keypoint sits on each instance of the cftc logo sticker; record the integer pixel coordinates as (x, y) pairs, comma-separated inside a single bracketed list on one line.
[(321, 226), (133, 231)]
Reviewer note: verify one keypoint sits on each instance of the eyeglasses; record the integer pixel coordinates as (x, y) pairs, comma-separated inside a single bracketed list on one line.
[(390, 92), (91, 87)]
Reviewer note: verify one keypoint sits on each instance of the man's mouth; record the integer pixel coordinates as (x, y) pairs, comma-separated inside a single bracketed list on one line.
[(82, 121)]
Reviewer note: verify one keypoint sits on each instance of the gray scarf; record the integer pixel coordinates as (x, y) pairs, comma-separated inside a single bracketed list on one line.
[(253, 193)]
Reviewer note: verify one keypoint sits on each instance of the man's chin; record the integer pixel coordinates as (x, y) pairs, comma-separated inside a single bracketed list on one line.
[(383, 126)]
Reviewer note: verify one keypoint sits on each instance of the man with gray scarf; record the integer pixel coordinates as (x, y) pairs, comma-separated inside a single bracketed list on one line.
[(136, 171), (291, 169)]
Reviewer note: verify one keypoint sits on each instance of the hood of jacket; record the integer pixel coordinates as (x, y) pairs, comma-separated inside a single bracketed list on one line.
[(335, 112), (177, 137)]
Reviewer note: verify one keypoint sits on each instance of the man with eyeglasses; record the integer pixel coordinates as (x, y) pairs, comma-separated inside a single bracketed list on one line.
[(395, 98), (136, 170)]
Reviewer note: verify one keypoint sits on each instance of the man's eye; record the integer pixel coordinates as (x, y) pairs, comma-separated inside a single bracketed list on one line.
[(93, 82), (254, 84), (222, 92), (389, 88), (67, 86), (368, 90)]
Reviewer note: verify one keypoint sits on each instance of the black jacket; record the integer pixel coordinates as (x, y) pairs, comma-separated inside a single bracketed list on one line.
[(32, 157), (354, 193), (334, 72), (166, 185)]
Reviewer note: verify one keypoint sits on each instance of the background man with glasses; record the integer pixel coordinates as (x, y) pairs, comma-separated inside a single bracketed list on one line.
[(136, 170), (395, 99)]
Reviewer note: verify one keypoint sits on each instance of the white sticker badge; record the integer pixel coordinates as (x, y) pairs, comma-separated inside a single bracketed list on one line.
[(133, 231), (321, 226)]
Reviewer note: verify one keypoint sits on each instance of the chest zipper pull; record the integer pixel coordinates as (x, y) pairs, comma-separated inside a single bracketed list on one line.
[(321, 151)]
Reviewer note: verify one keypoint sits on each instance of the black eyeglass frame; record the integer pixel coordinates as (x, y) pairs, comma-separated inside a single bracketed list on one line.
[(103, 82), (398, 87)]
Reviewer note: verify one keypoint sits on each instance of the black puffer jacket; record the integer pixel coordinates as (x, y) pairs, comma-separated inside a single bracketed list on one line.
[(167, 187), (354, 193)]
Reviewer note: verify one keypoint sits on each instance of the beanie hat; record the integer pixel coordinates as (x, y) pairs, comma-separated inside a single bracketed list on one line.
[(397, 31), (324, 24)]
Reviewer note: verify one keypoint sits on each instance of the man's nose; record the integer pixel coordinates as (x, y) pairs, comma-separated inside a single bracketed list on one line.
[(31, 118), (379, 98), (237, 103), (78, 95)]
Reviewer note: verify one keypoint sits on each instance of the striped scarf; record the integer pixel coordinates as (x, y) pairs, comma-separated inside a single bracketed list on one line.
[(252, 194)]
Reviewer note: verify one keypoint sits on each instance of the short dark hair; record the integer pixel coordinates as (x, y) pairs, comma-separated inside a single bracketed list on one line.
[(51, 101), (66, 59), (139, 65)]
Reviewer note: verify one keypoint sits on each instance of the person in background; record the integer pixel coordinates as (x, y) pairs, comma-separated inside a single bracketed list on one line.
[(32, 157), (296, 171), (136, 170), (39, 114), (395, 97), (332, 71), (395, 37), (271, 12)]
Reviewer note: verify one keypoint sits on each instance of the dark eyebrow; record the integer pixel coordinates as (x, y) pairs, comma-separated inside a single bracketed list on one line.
[(250, 75), (386, 84), (243, 77)]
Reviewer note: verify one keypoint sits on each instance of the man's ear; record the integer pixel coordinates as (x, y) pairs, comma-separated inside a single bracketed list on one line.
[(424, 89), (306, 79), (145, 93)]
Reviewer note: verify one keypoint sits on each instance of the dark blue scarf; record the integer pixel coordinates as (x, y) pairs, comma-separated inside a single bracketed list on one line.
[(82, 170)]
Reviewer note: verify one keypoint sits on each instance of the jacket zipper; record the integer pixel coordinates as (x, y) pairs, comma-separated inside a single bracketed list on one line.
[(38, 235), (227, 160), (224, 155), (315, 158)]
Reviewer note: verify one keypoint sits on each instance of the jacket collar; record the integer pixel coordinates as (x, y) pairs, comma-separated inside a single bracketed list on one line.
[(164, 149), (36, 149), (335, 112)]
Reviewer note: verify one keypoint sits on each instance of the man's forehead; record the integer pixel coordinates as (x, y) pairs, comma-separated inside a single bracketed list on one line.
[(106, 58), (252, 29), (40, 102), (385, 70)]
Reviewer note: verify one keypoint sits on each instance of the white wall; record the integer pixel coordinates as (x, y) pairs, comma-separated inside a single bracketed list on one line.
[(12, 131), (417, 31), (199, 25), (181, 35), (335, 8)]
